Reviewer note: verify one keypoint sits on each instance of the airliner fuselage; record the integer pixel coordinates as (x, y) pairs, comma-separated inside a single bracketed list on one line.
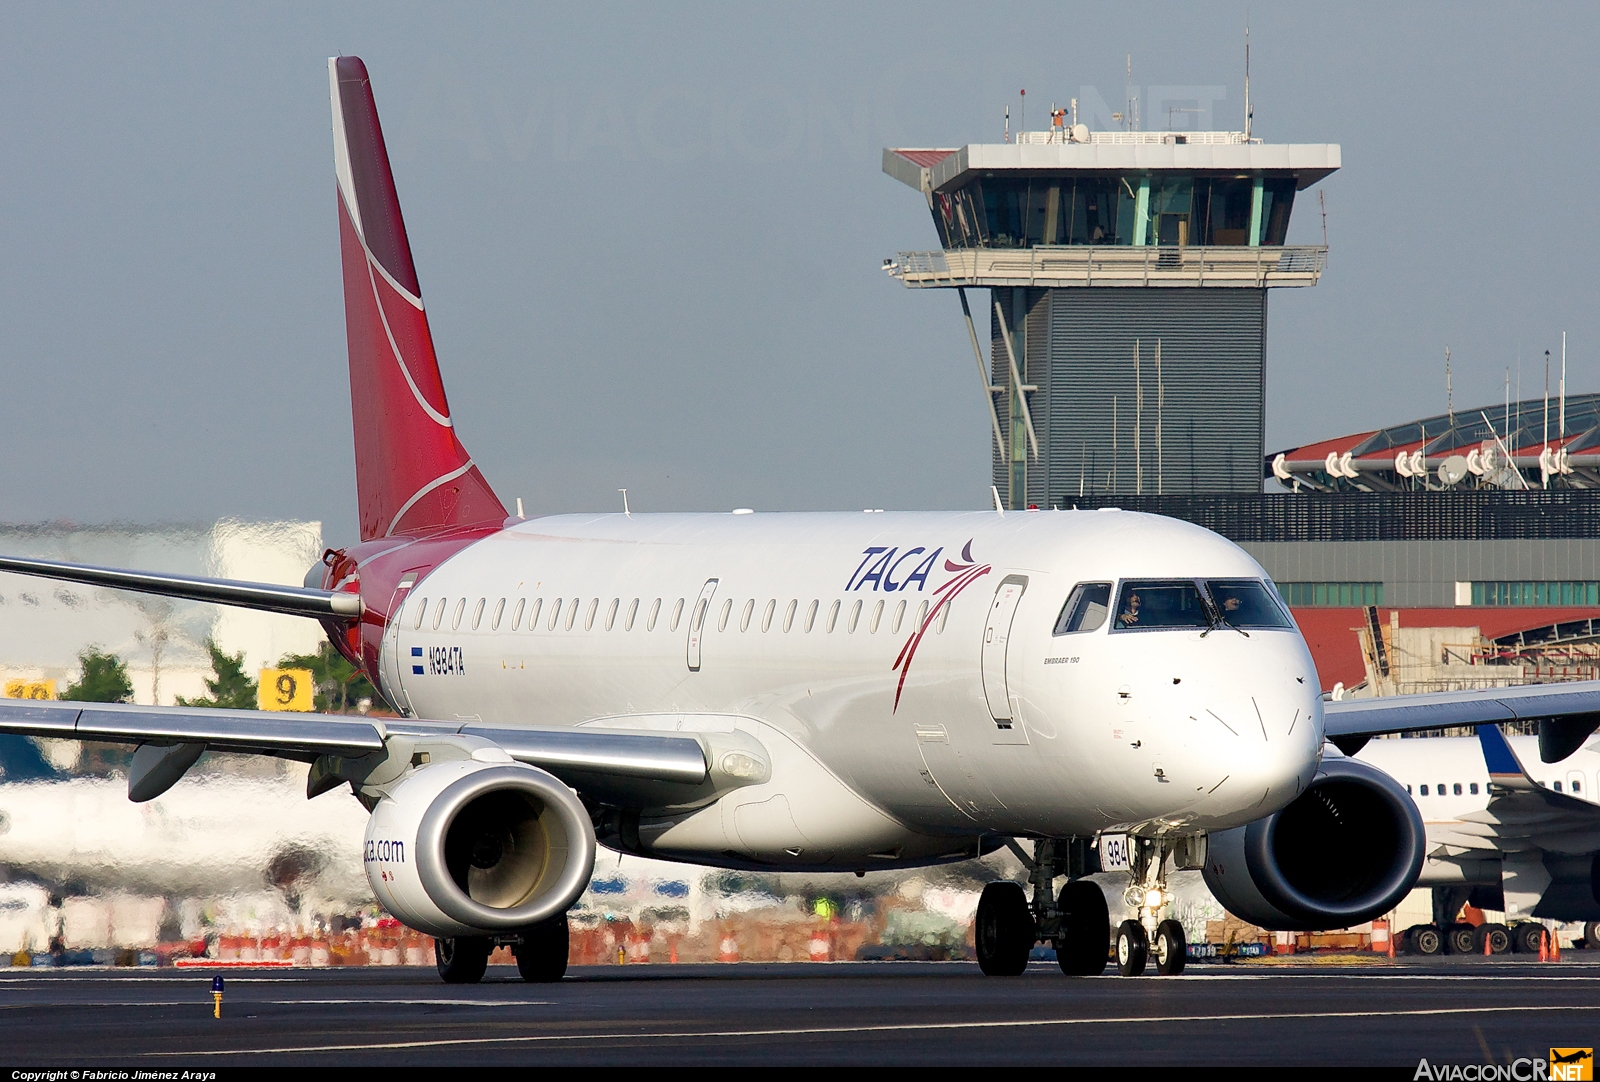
[(905, 671)]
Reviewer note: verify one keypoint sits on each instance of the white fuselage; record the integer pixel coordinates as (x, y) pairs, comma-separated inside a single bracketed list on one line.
[(811, 624)]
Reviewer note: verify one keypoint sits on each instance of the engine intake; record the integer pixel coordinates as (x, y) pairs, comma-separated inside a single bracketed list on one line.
[(1343, 852), (469, 847)]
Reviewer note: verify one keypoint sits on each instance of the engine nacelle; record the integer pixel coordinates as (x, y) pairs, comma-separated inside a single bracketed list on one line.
[(472, 847), (1343, 852)]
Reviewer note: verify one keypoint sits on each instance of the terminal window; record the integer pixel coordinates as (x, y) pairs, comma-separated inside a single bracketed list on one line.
[(1535, 593), (1302, 595)]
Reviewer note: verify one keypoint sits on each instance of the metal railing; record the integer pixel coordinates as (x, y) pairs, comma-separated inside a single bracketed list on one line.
[(1108, 265), (1136, 138)]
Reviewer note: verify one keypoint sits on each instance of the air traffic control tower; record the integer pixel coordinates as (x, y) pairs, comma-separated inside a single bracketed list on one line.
[(1127, 275)]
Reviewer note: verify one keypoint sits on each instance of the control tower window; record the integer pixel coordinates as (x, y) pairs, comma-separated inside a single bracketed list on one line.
[(1277, 199), (1171, 210), (1154, 606)]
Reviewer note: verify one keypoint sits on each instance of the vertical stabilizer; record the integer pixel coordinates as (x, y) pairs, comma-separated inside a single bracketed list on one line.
[(412, 474)]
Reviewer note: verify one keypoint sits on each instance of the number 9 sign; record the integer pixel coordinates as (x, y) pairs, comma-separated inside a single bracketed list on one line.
[(285, 689)]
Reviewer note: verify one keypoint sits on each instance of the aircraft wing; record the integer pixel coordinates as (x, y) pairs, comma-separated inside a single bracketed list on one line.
[(1523, 814), (604, 760), (1567, 714)]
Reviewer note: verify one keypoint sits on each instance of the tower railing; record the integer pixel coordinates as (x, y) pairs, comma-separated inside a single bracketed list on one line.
[(1050, 266)]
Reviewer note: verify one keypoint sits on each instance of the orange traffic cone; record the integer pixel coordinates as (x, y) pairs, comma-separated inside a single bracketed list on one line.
[(1544, 946), (728, 949), (1555, 947), (1486, 951)]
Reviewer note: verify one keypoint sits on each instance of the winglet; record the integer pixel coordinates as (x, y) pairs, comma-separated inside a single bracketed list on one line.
[(1505, 769)]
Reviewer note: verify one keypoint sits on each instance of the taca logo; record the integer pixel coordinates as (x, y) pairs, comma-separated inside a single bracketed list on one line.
[(886, 563)]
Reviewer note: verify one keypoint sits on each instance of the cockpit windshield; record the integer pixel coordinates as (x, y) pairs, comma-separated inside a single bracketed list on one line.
[(1146, 605), (1247, 603)]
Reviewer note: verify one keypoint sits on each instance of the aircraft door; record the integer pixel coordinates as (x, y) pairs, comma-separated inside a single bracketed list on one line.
[(697, 622), (390, 664), (996, 637)]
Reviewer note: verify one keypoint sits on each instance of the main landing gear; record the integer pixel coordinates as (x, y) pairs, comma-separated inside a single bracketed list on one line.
[(541, 953), (1076, 921)]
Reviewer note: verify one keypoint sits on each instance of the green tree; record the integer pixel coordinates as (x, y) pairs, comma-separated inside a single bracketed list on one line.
[(104, 679), (232, 688), (340, 685)]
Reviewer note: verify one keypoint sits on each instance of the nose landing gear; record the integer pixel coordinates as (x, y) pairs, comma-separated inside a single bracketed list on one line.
[(1147, 894)]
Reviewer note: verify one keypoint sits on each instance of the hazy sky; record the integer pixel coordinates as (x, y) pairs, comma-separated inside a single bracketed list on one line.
[(649, 236)]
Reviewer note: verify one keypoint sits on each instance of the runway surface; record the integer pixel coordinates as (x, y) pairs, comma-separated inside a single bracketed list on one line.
[(1452, 1010)]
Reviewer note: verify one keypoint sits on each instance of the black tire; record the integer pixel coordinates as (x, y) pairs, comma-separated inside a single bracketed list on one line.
[(1591, 936), (1462, 939), (1133, 948), (1526, 937), (542, 952), (1082, 950), (1172, 949), (1496, 935), (1426, 940), (1005, 932), (462, 959)]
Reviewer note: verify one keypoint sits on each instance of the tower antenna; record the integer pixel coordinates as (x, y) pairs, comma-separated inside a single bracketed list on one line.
[(1449, 391), (1248, 115)]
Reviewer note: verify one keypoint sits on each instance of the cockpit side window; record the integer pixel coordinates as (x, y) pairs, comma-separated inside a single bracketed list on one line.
[(1247, 603), (1154, 605), (1086, 608)]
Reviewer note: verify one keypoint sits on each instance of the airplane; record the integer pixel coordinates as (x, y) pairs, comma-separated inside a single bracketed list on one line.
[(1523, 843), (806, 691)]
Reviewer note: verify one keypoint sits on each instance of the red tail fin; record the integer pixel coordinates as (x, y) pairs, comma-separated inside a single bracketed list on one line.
[(412, 474)]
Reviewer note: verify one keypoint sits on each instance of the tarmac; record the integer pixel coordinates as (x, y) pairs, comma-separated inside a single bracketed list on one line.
[(1369, 1012)]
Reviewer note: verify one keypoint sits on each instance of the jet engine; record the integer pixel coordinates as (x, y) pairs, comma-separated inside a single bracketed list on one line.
[(472, 848), (1343, 852)]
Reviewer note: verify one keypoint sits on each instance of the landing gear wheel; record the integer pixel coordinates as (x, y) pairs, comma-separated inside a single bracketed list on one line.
[(1591, 936), (1172, 950), (542, 954), (1085, 924), (462, 959), (1132, 948), (1005, 931), (1462, 939), (1496, 935), (1525, 938), (1426, 940)]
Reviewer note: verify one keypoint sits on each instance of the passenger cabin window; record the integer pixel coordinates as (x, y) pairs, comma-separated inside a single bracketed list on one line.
[(588, 620), (655, 611), (1155, 606), (727, 611), (1086, 608), (1456, 788), (572, 612), (833, 616), (422, 610), (677, 614), (899, 617), (788, 615), (922, 615), (1247, 603), (944, 617), (611, 613), (811, 615), (455, 619), (1558, 787), (877, 618), (855, 616), (438, 613), (1577, 786), (633, 610), (1424, 790), (533, 614), (1440, 789), (555, 615), (477, 612), (766, 615), (1472, 787)]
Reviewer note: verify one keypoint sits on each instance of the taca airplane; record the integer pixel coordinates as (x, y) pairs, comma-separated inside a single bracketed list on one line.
[(804, 691)]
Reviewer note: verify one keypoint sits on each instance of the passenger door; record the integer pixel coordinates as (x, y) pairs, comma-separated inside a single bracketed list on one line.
[(697, 622), (996, 647)]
